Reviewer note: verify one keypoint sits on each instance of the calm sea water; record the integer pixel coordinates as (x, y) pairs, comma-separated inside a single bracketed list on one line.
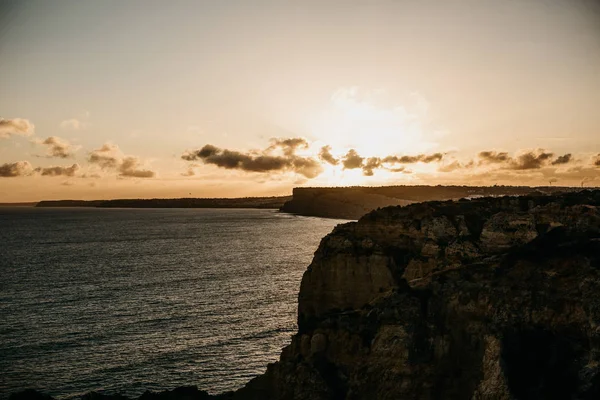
[(124, 300)]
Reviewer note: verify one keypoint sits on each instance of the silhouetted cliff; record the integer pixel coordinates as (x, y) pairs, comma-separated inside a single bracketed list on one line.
[(354, 202), (492, 298)]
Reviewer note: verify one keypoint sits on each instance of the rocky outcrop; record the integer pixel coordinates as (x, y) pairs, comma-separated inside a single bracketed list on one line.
[(343, 203), (354, 202), (494, 298)]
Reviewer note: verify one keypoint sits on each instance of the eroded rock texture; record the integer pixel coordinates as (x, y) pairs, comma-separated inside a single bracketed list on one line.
[(496, 298)]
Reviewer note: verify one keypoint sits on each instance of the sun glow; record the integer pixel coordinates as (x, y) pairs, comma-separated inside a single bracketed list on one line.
[(336, 175), (374, 125)]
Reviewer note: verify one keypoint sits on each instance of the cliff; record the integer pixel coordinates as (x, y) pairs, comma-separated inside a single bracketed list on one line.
[(354, 202), (492, 298), (495, 298)]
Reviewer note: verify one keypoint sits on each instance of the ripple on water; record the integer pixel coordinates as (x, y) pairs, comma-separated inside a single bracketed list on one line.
[(123, 301)]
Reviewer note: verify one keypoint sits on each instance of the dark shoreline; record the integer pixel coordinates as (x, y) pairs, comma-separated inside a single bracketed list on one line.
[(245, 202)]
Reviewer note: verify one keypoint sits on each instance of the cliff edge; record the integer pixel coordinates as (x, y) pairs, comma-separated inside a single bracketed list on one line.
[(354, 202), (492, 298)]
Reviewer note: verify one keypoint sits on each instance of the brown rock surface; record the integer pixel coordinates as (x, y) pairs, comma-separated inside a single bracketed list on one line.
[(495, 298)]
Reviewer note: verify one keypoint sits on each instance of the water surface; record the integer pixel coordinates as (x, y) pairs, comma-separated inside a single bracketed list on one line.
[(124, 300)]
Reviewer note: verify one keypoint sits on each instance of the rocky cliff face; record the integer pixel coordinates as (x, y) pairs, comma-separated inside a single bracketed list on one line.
[(495, 298), (482, 299)]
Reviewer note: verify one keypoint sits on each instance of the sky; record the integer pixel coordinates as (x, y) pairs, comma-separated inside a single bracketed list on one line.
[(142, 98)]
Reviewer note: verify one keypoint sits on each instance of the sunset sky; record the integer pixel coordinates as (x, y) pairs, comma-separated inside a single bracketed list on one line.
[(122, 99)]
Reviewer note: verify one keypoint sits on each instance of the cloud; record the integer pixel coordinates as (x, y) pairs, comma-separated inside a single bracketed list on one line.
[(400, 169), (130, 166), (352, 160), (325, 155), (262, 161), (107, 156), (15, 126), (425, 158), (288, 146), (281, 156), (308, 167), (564, 159), (492, 157), (371, 164), (58, 171), (530, 159), (92, 176), (110, 157), (453, 166), (19, 168), (72, 123), (58, 147)]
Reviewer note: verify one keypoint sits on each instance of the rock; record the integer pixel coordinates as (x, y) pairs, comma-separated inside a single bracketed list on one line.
[(318, 343), (482, 299), (505, 230), (30, 394)]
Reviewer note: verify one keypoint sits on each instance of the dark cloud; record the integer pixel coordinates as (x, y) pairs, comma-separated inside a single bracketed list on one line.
[(106, 156), (308, 167), (92, 176), (281, 156), (352, 160), (288, 146), (15, 126), (59, 147), (58, 171), (109, 157), (130, 166), (11, 170), (565, 159), (492, 157), (425, 158), (534, 159), (371, 164), (531, 160), (597, 161), (262, 162), (325, 155)]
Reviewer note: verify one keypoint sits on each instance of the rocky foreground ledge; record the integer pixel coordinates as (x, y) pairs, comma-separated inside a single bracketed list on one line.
[(494, 298)]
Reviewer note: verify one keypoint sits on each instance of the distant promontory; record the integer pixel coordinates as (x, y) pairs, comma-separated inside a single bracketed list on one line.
[(354, 202)]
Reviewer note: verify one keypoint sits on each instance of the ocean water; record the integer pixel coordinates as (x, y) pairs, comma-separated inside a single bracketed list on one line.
[(125, 300)]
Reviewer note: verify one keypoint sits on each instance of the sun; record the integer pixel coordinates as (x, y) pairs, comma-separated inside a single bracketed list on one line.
[(371, 124)]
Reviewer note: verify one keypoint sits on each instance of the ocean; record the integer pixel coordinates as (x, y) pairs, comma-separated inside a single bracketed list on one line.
[(128, 300)]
